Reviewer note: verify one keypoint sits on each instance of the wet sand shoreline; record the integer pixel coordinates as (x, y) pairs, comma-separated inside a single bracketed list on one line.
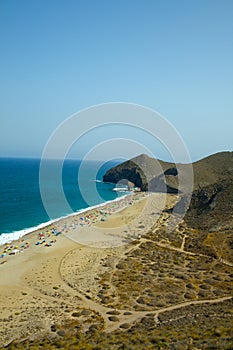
[(49, 233)]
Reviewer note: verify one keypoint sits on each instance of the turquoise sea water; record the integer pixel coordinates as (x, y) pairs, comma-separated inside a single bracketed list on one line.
[(21, 206)]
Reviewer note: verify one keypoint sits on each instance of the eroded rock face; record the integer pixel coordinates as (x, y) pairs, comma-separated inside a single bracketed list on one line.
[(130, 173), (155, 175), (211, 207), (204, 199), (164, 183), (147, 173), (211, 204)]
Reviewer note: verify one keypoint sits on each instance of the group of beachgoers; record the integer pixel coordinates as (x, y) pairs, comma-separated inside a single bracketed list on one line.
[(97, 214), (47, 236), (11, 249)]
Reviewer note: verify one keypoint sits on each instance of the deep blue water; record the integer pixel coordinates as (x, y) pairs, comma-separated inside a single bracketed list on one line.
[(21, 206)]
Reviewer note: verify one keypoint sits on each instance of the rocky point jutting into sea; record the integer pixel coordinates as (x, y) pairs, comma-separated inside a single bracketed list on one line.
[(212, 197)]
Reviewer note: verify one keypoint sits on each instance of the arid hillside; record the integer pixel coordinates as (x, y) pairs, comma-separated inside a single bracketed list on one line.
[(158, 176)]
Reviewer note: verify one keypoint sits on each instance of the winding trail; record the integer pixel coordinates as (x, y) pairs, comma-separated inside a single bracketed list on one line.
[(181, 250), (135, 316)]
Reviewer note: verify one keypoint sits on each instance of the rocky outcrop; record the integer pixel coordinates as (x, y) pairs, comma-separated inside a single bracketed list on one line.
[(211, 205), (159, 176), (129, 172), (147, 173)]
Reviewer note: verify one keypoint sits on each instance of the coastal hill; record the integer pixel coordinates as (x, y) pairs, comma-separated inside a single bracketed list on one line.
[(150, 173), (211, 207), (141, 171), (213, 169), (211, 204)]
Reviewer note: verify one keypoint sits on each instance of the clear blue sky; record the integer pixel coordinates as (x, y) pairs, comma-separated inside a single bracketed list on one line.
[(57, 57)]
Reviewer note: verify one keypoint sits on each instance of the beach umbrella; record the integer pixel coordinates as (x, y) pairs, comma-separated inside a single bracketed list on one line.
[(15, 251)]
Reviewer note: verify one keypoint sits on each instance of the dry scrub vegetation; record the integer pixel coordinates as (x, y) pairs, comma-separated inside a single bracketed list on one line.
[(165, 290)]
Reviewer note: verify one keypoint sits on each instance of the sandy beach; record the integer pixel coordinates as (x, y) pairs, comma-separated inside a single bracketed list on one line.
[(105, 271), (37, 283)]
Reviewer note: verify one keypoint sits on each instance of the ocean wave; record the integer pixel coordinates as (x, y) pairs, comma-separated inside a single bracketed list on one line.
[(12, 236)]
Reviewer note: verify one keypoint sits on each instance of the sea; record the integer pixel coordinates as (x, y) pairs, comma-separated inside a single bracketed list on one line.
[(22, 209)]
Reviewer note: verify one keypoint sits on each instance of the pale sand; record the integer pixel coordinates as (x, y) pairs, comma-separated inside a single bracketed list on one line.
[(29, 302)]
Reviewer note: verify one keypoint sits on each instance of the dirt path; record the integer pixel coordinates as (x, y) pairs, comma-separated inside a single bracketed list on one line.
[(136, 316), (132, 316), (183, 242), (225, 262), (181, 250)]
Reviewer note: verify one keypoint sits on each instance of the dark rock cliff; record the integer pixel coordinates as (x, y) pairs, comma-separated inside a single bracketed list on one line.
[(211, 204), (147, 173), (211, 207)]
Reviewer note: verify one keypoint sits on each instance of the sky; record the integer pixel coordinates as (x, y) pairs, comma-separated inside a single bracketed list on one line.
[(58, 57)]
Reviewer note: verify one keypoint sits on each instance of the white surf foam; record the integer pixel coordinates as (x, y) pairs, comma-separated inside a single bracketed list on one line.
[(12, 236)]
